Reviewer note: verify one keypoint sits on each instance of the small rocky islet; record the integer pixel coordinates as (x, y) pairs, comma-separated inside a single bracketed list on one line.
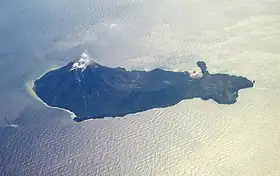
[(91, 90)]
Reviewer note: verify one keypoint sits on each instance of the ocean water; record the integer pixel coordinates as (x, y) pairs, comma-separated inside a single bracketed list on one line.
[(194, 137)]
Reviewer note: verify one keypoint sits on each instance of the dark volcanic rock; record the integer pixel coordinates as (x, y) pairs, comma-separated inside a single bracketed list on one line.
[(91, 90)]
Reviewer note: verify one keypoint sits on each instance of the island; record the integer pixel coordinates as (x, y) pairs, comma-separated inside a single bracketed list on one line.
[(91, 90)]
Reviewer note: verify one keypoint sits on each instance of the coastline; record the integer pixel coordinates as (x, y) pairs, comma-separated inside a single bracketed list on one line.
[(29, 89), (228, 97)]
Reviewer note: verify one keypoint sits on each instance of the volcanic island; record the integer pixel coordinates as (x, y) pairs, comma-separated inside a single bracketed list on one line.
[(91, 90)]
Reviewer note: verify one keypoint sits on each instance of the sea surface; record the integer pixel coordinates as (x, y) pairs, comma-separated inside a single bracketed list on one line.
[(194, 137)]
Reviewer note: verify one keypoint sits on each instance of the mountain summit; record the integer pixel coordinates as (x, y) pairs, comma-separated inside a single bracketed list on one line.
[(84, 62), (91, 90)]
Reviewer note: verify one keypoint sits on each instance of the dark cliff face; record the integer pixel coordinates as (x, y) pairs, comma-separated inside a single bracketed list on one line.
[(95, 91)]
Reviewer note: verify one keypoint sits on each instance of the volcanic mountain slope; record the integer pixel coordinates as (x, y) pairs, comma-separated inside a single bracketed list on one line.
[(91, 90)]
